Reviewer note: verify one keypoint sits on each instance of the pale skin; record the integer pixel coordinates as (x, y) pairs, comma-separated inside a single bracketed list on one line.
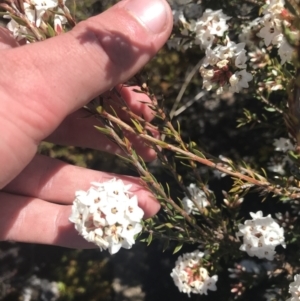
[(43, 87)]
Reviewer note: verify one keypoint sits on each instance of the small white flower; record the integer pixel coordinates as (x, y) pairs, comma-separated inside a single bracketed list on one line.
[(107, 215), (212, 23), (198, 195), (260, 236), (207, 84), (174, 43), (132, 211), (248, 34), (220, 90), (294, 289), (218, 28), (18, 31), (113, 211), (283, 144), (206, 73), (274, 6), (60, 19), (211, 56), (205, 39), (191, 277), (285, 51), (240, 60), (178, 16), (226, 52), (240, 80), (277, 164), (269, 32)]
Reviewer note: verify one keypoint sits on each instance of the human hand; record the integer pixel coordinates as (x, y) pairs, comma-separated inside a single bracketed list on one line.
[(42, 88)]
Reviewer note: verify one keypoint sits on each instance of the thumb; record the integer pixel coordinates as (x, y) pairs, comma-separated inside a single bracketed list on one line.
[(50, 79), (62, 74)]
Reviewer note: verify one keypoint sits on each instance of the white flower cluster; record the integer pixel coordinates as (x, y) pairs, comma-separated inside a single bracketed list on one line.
[(38, 12), (181, 12), (271, 30), (261, 235), (189, 275), (107, 215), (278, 162), (198, 195), (294, 289), (219, 65), (211, 24), (206, 29)]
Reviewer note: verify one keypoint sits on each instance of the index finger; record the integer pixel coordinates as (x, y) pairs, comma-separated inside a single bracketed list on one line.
[(54, 181)]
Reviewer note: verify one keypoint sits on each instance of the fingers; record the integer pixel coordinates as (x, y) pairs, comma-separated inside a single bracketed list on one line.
[(7, 41), (52, 180), (78, 130), (28, 216), (55, 77), (32, 220), (137, 101)]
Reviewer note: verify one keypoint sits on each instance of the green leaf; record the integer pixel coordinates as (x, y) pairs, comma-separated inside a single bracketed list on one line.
[(19, 20), (168, 190), (124, 158), (102, 130), (178, 248), (50, 30), (100, 109), (269, 109), (137, 126), (178, 128), (182, 157), (178, 217), (162, 144), (166, 245), (168, 225), (198, 153), (235, 189), (149, 239), (169, 206)]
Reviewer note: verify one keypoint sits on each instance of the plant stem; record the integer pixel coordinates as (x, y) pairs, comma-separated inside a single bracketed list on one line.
[(148, 178), (267, 186)]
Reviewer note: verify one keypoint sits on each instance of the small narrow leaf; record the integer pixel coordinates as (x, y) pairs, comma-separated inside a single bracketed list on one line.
[(166, 245), (149, 239), (102, 130), (178, 248), (137, 126), (50, 30)]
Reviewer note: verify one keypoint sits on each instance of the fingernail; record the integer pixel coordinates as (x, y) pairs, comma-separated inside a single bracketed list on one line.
[(152, 13)]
